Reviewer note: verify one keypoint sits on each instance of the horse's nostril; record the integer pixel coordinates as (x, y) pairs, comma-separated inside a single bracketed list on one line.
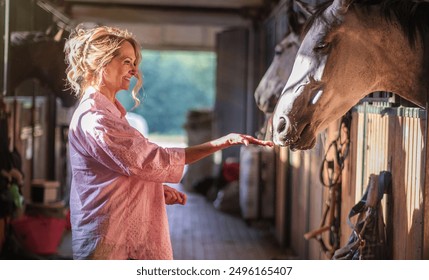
[(282, 125)]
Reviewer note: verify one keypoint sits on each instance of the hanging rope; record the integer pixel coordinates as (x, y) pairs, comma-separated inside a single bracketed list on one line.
[(332, 169), (340, 147)]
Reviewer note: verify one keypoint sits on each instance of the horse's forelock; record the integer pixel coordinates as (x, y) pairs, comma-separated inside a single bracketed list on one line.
[(318, 12), (412, 16)]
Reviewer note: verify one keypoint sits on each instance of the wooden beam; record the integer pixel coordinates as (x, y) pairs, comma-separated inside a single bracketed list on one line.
[(425, 250), (203, 10), (425, 206), (156, 7), (234, 4), (126, 14)]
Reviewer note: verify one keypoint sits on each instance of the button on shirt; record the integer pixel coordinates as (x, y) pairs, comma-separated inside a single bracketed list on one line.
[(116, 199)]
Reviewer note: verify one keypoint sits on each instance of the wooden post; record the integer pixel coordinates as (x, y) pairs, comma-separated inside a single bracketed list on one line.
[(6, 46), (425, 251)]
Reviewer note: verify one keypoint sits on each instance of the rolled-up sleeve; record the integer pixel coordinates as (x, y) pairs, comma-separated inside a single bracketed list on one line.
[(121, 148)]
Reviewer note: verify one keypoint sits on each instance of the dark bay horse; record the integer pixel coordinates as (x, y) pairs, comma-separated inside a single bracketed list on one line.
[(272, 83), (36, 55), (351, 49)]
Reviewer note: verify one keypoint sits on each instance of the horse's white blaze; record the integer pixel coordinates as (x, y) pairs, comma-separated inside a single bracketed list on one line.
[(299, 75), (317, 97)]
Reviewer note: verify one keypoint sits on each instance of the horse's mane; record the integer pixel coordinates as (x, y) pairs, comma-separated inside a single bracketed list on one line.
[(412, 16), (20, 38)]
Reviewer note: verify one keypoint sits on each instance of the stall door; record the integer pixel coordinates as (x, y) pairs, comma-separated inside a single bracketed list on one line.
[(231, 85)]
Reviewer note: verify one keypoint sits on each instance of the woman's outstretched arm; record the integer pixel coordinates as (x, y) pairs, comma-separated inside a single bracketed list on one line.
[(197, 152)]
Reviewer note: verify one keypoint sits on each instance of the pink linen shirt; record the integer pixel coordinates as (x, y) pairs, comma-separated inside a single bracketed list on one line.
[(116, 198)]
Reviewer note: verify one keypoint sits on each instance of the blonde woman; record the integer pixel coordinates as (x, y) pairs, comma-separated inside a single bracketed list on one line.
[(118, 196)]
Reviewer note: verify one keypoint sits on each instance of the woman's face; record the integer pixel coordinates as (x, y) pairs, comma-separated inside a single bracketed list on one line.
[(118, 72)]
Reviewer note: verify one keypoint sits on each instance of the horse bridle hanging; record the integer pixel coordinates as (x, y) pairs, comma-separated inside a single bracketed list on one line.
[(331, 218)]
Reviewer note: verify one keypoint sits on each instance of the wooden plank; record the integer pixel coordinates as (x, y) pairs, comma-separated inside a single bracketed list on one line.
[(399, 195), (360, 150), (423, 199), (417, 220), (351, 166), (408, 189), (282, 198), (305, 206), (404, 204), (425, 206), (390, 150), (316, 197), (413, 189), (296, 211)]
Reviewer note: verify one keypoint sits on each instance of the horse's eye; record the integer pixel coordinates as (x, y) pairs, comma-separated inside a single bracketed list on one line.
[(278, 50), (321, 46)]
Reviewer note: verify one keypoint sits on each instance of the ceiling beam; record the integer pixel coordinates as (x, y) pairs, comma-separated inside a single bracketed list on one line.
[(169, 24), (110, 14), (171, 13), (155, 7), (232, 4)]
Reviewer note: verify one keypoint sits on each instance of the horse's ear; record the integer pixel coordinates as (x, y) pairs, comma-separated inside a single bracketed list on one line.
[(341, 5), (307, 9)]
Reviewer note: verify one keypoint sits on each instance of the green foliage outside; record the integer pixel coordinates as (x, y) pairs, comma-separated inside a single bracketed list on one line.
[(173, 83)]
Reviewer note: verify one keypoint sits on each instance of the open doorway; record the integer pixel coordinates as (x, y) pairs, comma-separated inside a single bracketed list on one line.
[(174, 83)]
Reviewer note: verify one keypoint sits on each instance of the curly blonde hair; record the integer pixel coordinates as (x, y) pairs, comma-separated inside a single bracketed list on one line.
[(88, 51)]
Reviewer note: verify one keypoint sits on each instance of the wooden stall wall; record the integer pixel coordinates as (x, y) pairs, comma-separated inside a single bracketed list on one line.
[(382, 138), (390, 139), (308, 196), (299, 195)]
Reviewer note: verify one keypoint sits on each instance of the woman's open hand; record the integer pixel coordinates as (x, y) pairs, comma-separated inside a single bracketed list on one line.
[(197, 152), (173, 196), (236, 139)]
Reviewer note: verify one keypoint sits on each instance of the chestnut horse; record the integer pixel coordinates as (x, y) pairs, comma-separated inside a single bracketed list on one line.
[(352, 48)]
